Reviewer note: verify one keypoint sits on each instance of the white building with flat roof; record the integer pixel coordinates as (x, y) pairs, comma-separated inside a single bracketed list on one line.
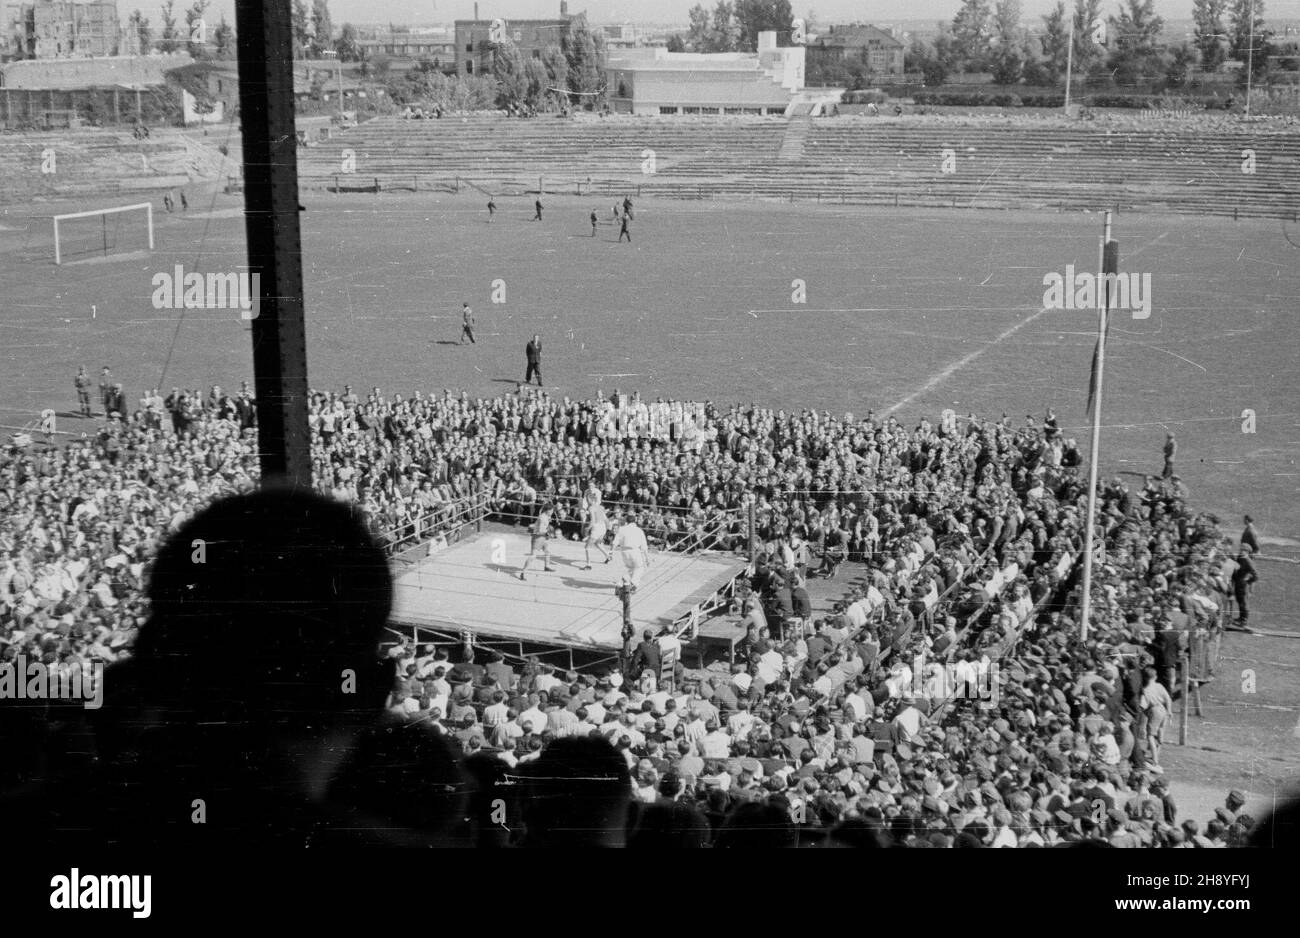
[(652, 80)]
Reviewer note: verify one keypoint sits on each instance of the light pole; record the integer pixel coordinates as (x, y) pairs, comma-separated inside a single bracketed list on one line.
[(1069, 65), (338, 62), (1250, 56)]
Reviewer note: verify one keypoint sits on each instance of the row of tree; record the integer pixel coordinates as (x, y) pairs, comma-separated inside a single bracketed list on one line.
[(733, 26), (1126, 47), (198, 37), (569, 73), (312, 31)]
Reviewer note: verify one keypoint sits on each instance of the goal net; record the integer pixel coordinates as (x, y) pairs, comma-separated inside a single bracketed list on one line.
[(103, 232)]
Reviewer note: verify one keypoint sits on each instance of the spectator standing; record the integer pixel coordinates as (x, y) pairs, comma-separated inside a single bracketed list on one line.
[(533, 357)]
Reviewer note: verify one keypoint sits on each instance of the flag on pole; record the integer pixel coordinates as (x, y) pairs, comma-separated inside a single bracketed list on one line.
[(1109, 272)]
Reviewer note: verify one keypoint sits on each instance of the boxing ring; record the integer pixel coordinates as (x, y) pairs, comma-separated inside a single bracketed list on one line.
[(474, 585)]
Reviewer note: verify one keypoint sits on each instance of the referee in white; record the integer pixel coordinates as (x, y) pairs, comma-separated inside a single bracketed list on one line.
[(630, 542)]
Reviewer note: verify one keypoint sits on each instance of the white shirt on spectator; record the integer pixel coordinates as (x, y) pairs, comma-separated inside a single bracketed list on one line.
[(715, 745), (535, 716), (770, 665), (909, 720), (740, 723), (544, 683)]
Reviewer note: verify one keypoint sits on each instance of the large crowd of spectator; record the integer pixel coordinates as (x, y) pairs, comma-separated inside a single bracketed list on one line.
[(946, 700)]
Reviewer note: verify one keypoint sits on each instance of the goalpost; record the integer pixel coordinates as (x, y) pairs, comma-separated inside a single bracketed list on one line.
[(80, 233)]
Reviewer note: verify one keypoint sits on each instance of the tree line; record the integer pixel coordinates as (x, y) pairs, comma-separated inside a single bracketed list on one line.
[(733, 26), (312, 31), (1123, 48)]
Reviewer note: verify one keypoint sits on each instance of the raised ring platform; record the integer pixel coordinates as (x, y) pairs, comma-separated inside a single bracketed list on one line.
[(474, 584)]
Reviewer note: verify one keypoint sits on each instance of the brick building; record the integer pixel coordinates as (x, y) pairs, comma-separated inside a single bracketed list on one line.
[(879, 52), (52, 29), (432, 44), (533, 37)]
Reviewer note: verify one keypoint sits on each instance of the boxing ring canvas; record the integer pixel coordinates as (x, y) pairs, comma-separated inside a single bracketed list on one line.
[(474, 584)]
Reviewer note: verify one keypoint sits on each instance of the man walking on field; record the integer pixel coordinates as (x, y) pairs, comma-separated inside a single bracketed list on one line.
[(1243, 576), (467, 324), (597, 527), (631, 544)]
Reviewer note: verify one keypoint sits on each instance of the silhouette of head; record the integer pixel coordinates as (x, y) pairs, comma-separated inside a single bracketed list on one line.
[(267, 606)]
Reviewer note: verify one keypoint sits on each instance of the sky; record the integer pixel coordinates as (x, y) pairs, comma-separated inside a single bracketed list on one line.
[(437, 12)]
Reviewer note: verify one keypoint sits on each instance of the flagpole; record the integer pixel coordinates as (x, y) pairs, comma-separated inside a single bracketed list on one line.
[(1103, 301), (1250, 57)]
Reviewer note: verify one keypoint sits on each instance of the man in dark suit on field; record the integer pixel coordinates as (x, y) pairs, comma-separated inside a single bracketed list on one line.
[(533, 352), (1248, 537), (1242, 578), (105, 389)]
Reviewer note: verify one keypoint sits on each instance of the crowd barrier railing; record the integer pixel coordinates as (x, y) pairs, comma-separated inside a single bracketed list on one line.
[(447, 520)]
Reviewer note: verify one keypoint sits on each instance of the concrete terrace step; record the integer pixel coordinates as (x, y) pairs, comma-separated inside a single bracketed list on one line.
[(1047, 164)]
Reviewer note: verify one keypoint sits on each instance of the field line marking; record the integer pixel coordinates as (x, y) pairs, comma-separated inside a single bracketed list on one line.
[(956, 366)]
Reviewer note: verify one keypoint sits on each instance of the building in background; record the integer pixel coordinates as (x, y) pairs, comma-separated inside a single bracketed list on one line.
[(653, 80), (833, 53), (53, 29), (623, 36), (533, 37), (134, 71), (411, 44)]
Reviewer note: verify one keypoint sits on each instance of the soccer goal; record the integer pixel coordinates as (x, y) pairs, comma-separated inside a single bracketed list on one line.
[(103, 231)]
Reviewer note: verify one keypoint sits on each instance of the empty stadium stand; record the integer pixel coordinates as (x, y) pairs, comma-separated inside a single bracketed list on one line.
[(1170, 165), (504, 155), (102, 162)]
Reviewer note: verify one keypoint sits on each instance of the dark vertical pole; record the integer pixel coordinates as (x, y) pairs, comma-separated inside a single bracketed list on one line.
[(265, 44), (753, 532)]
